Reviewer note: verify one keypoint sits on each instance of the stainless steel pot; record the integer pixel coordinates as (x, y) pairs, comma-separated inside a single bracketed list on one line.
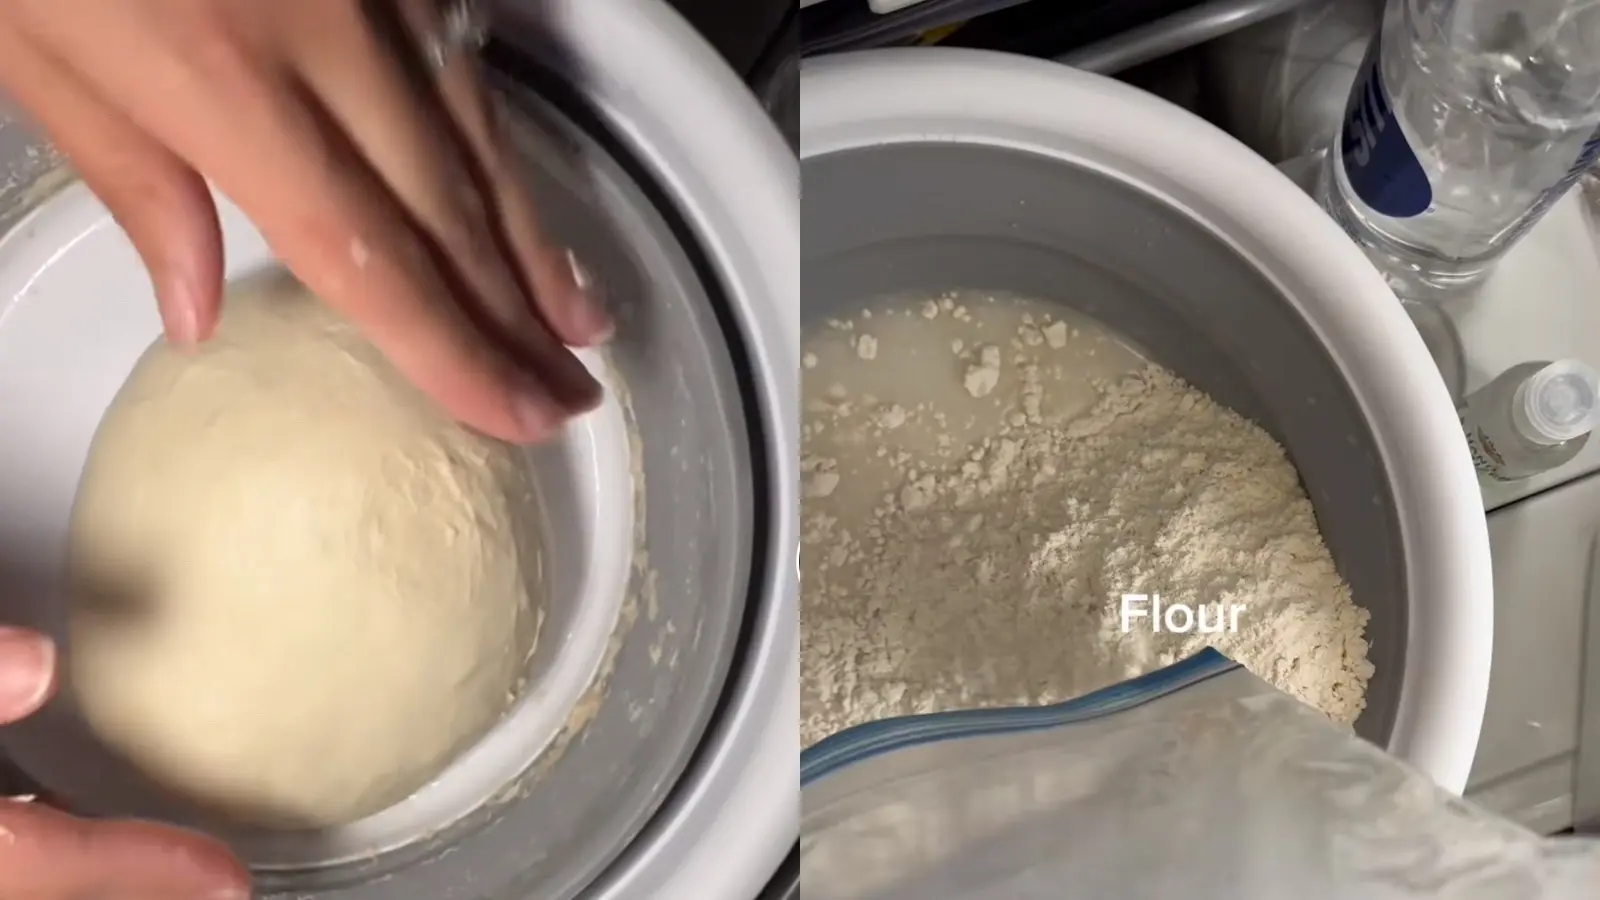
[(651, 158), (949, 169)]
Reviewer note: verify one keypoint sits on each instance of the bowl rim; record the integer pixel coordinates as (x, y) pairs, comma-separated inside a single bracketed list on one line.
[(703, 139)]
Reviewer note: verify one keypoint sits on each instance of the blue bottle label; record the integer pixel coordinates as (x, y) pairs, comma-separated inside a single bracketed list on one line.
[(1382, 168)]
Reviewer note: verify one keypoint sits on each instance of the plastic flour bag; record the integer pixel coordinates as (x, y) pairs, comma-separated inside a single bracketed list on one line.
[(1197, 781)]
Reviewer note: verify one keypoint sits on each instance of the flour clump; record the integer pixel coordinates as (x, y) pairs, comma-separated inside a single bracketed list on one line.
[(984, 564), (300, 589)]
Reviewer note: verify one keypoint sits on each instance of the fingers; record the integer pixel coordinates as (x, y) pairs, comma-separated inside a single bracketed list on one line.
[(27, 675), (564, 290), (357, 76), (161, 203), (47, 853), (315, 200)]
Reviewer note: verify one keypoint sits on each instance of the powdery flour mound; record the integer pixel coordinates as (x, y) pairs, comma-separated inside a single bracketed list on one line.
[(997, 579)]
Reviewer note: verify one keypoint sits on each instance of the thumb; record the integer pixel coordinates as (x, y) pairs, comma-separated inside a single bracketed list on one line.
[(27, 673), (46, 854)]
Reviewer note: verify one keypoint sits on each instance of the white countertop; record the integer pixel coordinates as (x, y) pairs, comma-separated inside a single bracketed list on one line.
[(1543, 303)]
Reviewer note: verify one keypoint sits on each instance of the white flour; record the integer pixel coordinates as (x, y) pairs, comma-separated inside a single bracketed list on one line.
[(942, 574)]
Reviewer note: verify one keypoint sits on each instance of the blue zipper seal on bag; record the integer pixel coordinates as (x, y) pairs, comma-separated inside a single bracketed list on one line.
[(863, 742)]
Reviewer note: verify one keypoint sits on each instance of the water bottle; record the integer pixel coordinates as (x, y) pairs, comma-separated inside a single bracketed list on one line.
[(1468, 121)]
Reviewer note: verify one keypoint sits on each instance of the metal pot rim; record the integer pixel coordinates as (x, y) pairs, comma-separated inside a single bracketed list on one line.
[(705, 142)]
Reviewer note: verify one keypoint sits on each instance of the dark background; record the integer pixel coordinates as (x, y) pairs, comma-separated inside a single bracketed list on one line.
[(744, 31), (760, 39)]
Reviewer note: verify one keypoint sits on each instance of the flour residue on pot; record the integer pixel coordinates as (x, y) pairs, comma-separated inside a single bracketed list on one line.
[(30, 178), (642, 593), (986, 477)]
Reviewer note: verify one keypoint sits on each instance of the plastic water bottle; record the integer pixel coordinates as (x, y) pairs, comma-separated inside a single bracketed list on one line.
[(1531, 418), (1468, 121)]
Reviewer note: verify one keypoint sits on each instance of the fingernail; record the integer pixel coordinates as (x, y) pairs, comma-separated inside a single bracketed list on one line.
[(588, 403), (537, 415), (587, 393), (590, 312), (27, 668), (581, 279), (230, 894), (182, 318)]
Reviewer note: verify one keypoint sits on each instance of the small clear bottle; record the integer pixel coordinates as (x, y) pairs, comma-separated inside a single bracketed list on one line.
[(1531, 418)]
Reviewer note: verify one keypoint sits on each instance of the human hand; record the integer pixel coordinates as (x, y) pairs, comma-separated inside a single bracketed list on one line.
[(387, 190), (46, 854)]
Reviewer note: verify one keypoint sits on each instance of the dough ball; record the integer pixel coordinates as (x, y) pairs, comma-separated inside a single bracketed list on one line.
[(300, 590)]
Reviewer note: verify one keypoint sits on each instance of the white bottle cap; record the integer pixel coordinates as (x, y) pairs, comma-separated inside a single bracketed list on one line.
[(1560, 401)]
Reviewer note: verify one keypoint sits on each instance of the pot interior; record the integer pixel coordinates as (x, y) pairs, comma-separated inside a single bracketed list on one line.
[(938, 216)]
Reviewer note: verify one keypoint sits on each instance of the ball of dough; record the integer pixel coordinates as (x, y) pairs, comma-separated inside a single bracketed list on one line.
[(300, 589)]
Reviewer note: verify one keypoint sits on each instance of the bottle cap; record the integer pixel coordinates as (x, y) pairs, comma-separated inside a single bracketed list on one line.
[(1561, 401)]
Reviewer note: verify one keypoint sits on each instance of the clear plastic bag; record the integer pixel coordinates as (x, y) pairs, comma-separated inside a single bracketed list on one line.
[(1199, 780)]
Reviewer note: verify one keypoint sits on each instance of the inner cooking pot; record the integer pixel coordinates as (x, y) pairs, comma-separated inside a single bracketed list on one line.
[(946, 170), (1004, 221)]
